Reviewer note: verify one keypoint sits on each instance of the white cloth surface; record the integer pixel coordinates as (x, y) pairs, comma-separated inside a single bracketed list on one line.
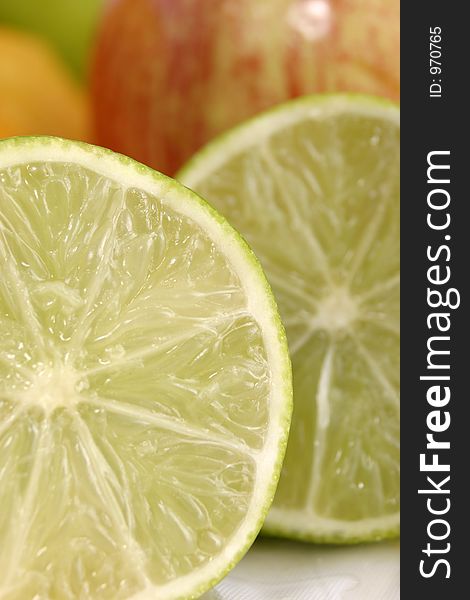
[(282, 570)]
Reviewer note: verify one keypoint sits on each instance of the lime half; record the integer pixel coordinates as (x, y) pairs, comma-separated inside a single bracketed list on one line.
[(144, 381), (314, 187)]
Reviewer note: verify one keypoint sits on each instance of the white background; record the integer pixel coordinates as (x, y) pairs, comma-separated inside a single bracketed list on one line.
[(282, 570)]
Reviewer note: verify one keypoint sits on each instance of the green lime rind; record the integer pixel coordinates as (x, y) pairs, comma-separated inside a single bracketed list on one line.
[(374, 534), (244, 135)]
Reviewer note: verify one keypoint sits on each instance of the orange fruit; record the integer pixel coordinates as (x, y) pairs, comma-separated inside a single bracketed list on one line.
[(37, 93)]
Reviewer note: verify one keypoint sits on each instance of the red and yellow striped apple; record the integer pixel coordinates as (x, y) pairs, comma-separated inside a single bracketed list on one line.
[(170, 74)]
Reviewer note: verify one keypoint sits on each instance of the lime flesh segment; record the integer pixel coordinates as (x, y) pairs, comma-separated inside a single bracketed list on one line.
[(145, 389), (314, 188)]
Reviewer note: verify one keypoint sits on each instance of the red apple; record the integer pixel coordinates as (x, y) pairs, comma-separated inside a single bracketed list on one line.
[(170, 74)]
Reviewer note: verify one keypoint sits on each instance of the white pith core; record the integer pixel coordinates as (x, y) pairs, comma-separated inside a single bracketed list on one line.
[(52, 387), (336, 312)]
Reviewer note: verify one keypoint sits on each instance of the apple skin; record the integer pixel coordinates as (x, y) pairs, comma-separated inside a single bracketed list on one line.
[(168, 75)]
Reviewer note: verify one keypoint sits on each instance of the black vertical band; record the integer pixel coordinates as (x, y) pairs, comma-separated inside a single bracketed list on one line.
[(435, 269)]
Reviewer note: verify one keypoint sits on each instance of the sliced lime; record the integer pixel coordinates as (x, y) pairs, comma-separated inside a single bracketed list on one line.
[(314, 188), (144, 381)]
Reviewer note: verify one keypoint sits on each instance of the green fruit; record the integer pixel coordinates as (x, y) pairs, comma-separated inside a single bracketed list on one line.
[(314, 187), (145, 388), (68, 24)]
